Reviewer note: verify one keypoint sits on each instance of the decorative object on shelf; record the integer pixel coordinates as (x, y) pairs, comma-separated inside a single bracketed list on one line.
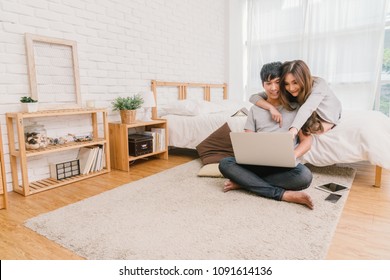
[(127, 107), (35, 136), (82, 138), (47, 57), (58, 141), (140, 144), (128, 116), (149, 102), (63, 170), (28, 104), (90, 103), (69, 138)]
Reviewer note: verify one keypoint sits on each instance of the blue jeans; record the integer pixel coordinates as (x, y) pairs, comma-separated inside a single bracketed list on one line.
[(266, 181)]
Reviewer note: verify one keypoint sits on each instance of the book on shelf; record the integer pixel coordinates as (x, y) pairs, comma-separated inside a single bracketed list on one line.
[(160, 138), (97, 158), (103, 161), (154, 140), (86, 157)]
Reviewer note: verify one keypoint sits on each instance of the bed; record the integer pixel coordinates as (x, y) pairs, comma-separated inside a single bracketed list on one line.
[(193, 110), (197, 112)]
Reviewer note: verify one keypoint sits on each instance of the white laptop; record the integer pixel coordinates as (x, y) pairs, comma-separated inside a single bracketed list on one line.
[(264, 148)]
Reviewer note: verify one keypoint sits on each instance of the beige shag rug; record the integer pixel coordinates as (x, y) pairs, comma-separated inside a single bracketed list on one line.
[(177, 215)]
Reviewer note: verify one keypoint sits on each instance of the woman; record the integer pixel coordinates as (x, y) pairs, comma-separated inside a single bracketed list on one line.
[(318, 103)]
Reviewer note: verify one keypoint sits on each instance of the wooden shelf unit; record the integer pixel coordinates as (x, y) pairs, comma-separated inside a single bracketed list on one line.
[(19, 151), (119, 143), (3, 183)]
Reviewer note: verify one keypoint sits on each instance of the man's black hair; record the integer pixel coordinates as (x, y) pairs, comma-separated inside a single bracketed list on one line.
[(271, 71)]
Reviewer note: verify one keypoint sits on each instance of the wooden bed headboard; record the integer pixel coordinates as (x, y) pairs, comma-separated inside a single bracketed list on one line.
[(182, 90)]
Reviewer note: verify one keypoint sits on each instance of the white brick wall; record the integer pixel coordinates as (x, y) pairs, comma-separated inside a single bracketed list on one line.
[(122, 45)]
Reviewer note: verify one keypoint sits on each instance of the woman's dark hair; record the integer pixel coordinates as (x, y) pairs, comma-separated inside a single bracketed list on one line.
[(271, 71), (313, 125), (302, 75)]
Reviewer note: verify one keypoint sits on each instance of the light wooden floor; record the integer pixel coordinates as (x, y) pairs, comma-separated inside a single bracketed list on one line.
[(362, 232)]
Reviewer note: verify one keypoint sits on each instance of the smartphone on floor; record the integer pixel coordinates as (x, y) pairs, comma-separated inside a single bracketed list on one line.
[(333, 197)]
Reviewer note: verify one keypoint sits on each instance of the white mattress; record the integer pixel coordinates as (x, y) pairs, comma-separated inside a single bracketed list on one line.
[(189, 131)]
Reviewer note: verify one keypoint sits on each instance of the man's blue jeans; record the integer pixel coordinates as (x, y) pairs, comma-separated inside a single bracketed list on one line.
[(266, 181)]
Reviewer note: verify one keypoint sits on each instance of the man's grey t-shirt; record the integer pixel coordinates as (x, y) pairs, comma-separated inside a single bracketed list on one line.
[(261, 120)]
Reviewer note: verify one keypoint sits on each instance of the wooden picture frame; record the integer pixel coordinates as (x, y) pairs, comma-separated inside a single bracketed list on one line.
[(53, 71)]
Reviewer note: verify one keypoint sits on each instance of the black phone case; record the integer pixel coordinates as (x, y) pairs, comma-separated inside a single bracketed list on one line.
[(333, 197)]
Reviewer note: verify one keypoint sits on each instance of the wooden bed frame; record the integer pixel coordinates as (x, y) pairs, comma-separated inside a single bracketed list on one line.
[(182, 94), (378, 176)]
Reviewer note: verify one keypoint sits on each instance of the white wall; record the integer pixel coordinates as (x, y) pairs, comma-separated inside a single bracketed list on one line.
[(236, 49), (122, 46)]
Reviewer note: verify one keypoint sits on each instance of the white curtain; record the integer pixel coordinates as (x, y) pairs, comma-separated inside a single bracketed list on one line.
[(341, 41)]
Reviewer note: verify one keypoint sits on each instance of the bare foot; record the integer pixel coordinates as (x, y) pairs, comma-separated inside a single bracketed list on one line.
[(298, 197), (230, 185)]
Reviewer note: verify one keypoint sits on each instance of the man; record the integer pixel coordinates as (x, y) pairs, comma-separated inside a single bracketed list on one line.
[(279, 183)]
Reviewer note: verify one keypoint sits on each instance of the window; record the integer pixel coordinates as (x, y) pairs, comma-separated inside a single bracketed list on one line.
[(341, 41), (384, 99)]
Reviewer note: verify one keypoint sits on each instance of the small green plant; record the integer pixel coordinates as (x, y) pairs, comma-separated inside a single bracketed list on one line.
[(127, 103), (27, 99)]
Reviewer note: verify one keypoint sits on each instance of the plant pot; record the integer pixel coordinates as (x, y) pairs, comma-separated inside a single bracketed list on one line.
[(128, 116), (30, 107)]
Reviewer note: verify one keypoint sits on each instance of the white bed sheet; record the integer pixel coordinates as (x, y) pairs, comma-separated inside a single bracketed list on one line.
[(189, 131), (360, 136)]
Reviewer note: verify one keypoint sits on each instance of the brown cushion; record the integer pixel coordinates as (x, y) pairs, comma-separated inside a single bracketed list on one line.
[(216, 146)]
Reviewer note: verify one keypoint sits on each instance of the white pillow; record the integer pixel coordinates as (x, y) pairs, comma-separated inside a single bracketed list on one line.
[(182, 107), (233, 106), (225, 105), (207, 107), (191, 107)]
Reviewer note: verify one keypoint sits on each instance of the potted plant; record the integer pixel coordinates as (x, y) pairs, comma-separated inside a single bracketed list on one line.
[(29, 105), (127, 107)]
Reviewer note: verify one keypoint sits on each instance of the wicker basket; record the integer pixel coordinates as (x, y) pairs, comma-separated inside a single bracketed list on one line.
[(128, 116)]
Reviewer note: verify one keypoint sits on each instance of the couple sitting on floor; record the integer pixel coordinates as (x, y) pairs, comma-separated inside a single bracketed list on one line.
[(293, 101)]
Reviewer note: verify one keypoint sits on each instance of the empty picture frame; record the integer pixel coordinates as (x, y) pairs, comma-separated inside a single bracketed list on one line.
[(53, 71)]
